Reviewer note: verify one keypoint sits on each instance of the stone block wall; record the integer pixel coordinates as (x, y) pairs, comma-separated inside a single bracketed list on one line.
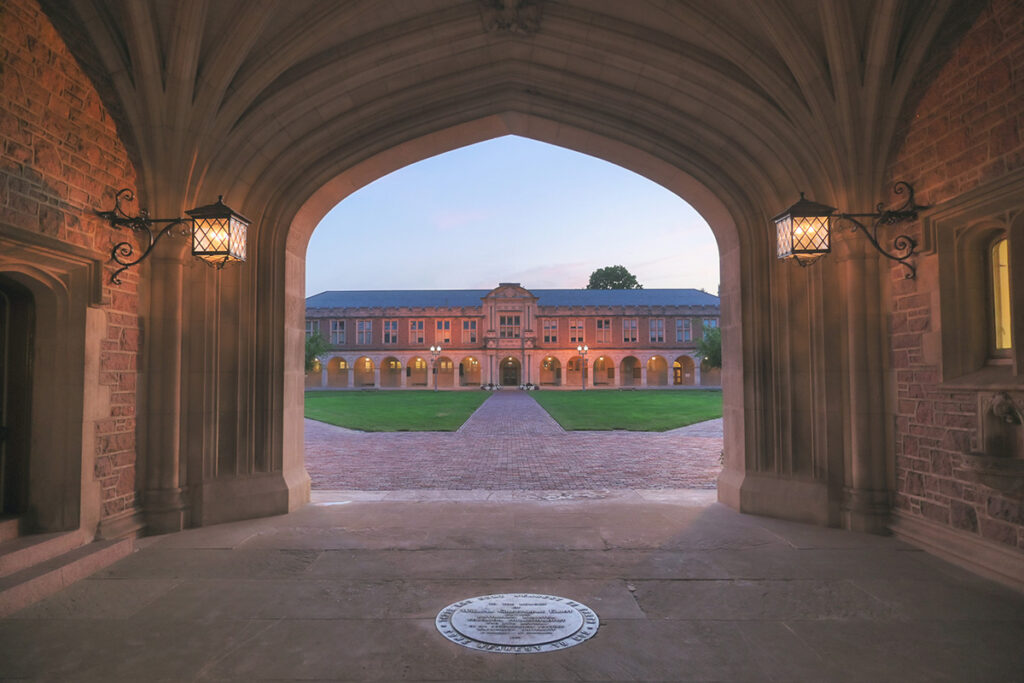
[(965, 133), (61, 159)]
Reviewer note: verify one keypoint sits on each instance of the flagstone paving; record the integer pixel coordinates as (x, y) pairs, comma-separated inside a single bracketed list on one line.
[(511, 443)]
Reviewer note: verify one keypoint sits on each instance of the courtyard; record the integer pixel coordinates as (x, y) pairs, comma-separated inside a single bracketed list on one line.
[(511, 443)]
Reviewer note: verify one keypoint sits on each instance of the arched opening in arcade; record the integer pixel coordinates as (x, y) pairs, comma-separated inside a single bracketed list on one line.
[(469, 372), (365, 372), (550, 374), (657, 372), (391, 373), (604, 371), (683, 371), (630, 371)]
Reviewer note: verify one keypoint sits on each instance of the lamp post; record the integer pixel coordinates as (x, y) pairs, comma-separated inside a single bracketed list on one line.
[(582, 350), (435, 351)]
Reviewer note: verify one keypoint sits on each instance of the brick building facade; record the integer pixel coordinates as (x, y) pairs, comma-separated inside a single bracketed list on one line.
[(512, 336)]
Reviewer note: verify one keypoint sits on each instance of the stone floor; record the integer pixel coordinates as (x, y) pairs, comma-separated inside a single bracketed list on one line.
[(347, 588), (511, 443)]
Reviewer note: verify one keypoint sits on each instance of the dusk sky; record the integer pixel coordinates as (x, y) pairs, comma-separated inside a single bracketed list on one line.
[(509, 210)]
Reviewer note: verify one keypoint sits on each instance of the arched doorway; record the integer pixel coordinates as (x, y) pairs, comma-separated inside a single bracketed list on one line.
[(550, 372), (469, 372), (630, 372), (17, 324), (509, 371), (657, 372), (682, 371), (364, 373), (391, 373), (604, 371)]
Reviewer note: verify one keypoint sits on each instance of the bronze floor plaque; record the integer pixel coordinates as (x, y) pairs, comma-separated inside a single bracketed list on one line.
[(517, 623)]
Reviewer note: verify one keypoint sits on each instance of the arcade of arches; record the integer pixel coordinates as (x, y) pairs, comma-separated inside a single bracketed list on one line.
[(853, 397)]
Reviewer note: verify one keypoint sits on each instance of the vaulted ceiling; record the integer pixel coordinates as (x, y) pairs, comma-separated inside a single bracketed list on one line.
[(270, 99)]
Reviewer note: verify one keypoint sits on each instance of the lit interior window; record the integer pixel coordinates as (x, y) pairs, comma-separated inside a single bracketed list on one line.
[(1001, 295)]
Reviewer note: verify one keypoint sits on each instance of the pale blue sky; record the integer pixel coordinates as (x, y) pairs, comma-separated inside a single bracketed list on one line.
[(509, 210)]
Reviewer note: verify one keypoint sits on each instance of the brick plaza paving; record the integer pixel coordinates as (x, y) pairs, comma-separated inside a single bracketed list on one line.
[(511, 443)]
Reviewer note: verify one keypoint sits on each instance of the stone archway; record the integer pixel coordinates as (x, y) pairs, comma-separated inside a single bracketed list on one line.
[(630, 372), (683, 371), (657, 372), (510, 372), (469, 372), (550, 372), (391, 373), (364, 372), (417, 371), (604, 371)]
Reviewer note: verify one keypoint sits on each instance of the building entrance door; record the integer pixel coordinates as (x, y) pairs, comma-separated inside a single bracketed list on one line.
[(16, 326), (510, 372)]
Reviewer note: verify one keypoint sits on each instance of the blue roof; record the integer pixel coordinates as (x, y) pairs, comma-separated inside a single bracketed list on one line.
[(426, 298)]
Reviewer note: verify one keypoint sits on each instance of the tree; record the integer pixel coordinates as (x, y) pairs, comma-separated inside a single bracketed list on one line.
[(315, 346), (710, 346), (613, 277)]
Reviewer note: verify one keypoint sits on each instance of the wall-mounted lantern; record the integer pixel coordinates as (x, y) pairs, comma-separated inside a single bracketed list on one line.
[(218, 233), (804, 230)]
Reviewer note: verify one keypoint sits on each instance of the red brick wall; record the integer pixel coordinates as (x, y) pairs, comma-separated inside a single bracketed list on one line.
[(966, 131), (60, 159)]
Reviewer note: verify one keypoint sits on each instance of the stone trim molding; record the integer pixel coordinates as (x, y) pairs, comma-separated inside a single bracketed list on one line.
[(993, 560)]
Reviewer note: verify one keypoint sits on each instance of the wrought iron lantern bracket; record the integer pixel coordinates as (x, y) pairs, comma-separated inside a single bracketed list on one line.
[(123, 252), (904, 245)]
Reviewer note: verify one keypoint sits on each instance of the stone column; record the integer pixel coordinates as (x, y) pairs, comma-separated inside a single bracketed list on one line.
[(404, 373), (643, 373), (350, 375), (696, 371), (376, 376), (323, 372), (164, 503)]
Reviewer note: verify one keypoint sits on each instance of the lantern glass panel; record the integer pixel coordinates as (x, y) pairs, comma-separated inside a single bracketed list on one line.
[(810, 235), (219, 239)]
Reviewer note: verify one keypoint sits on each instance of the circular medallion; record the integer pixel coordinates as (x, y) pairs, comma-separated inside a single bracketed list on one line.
[(517, 623)]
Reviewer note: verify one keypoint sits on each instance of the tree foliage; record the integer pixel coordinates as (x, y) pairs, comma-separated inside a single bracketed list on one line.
[(315, 346), (710, 346), (613, 277)]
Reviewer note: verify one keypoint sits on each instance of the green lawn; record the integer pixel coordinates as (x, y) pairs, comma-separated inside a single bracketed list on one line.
[(394, 411), (638, 411)]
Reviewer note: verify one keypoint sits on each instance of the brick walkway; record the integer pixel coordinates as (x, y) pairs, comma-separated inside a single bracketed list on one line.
[(511, 443)]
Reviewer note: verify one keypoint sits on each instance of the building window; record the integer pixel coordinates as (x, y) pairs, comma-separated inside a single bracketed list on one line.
[(710, 322), (312, 327), (390, 331), (418, 364), (629, 328), (338, 332), (576, 330), (683, 331), (364, 332), (469, 332), (508, 326), (444, 332), (342, 364), (445, 364), (551, 331), (999, 264), (604, 330), (657, 330), (415, 331)]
